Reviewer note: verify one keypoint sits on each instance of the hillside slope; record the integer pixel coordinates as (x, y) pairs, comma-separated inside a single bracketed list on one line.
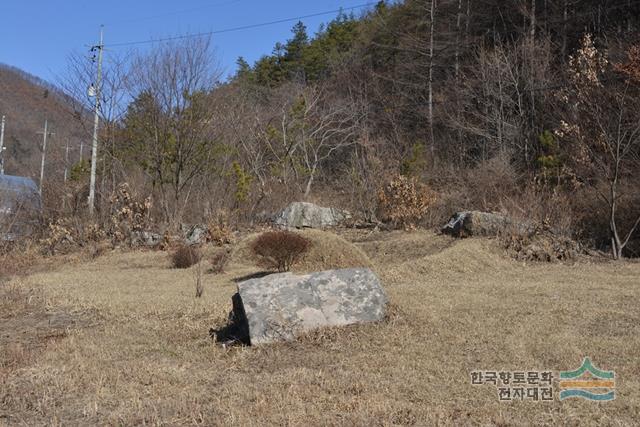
[(26, 102)]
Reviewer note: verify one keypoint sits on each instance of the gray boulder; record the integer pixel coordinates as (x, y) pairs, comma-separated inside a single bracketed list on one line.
[(145, 238), (278, 307), (476, 223), (196, 235), (309, 215)]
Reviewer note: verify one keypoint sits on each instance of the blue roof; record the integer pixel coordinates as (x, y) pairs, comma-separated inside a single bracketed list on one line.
[(19, 187)]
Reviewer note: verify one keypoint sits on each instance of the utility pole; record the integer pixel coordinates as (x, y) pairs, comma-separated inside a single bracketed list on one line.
[(94, 145), (45, 133), (2, 147), (66, 161)]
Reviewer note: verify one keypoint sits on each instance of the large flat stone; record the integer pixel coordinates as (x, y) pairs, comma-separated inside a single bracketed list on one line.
[(278, 307), (309, 215)]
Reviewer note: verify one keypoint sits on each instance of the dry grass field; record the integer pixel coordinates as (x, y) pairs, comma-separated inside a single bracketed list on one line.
[(121, 340)]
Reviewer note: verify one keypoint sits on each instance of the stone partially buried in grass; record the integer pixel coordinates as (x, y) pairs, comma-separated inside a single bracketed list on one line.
[(309, 215), (279, 307)]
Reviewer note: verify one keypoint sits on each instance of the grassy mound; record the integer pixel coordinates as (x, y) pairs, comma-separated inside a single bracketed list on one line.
[(327, 251), (461, 258)]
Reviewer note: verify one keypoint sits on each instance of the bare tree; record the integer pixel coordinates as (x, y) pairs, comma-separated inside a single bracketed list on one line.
[(170, 123), (80, 74), (323, 125), (603, 125)]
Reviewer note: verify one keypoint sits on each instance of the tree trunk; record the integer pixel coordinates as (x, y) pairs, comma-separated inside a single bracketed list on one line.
[(564, 30), (616, 246), (307, 189), (430, 84)]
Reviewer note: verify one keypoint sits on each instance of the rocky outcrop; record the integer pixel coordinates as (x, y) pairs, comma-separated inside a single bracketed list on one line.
[(145, 239), (196, 235), (279, 307), (309, 215), (476, 223), (524, 240), (544, 246)]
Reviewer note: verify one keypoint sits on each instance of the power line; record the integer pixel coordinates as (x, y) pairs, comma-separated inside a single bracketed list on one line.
[(244, 27)]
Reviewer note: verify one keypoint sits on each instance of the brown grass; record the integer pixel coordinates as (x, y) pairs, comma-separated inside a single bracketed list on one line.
[(457, 306), (326, 251)]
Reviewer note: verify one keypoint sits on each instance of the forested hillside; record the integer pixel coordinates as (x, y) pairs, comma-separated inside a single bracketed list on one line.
[(26, 102), (526, 107)]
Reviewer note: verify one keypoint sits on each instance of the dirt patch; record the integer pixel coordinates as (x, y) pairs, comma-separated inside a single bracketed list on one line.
[(327, 251)]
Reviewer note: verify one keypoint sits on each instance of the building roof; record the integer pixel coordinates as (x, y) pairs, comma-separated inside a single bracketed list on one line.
[(14, 188), (19, 184)]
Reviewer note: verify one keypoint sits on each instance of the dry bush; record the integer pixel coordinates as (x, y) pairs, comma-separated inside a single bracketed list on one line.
[(98, 249), (280, 249), (128, 214), (219, 261), (549, 225), (69, 234), (404, 201), (550, 208), (58, 237), (185, 256), (541, 245), (489, 183), (220, 234), (487, 187)]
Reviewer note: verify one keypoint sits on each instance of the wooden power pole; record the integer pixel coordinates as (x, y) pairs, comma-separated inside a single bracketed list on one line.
[(44, 133), (2, 147)]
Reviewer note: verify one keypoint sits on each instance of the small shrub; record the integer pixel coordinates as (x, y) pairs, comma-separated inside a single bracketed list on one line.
[(185, 256), (404, 201), (58, 237), (97, 249), (129, 214), (219, 261), (280, 249), (220, 234)]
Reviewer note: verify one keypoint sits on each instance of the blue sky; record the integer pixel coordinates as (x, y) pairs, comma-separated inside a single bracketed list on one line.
[(38, 35)]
